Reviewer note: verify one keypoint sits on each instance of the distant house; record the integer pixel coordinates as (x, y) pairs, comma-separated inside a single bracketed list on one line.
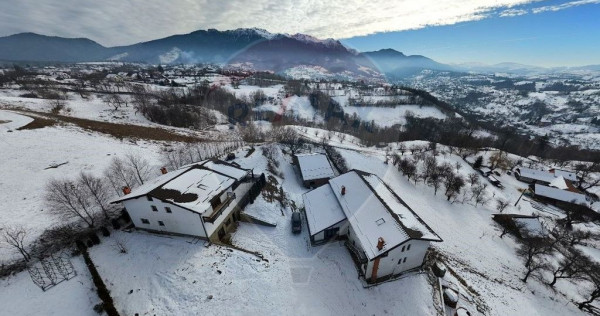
[(560, 195), (543, 177), (199, 200), (524, 226), (384, 235), (315, 169)]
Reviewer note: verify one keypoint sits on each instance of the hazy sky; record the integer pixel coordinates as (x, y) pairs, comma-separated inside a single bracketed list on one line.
[(527, 31)]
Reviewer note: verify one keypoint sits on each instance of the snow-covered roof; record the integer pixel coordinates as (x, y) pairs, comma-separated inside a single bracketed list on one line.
[(322, 209), (374, 211), (566, 174), (536, 174), (315, 166), (192, 186), (561, 195), (530, 227), (151, 185), (559, 183), (226, 169)]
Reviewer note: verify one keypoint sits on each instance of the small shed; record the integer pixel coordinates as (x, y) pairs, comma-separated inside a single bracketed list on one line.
[(315, 169)]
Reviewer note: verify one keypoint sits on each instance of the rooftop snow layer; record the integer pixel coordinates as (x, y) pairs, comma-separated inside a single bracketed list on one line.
[(561, 195), (407, 217), (363, 205), (369, 218), (151, 184), (322, 209), (530, 227), (565, 174), (536, 174), (559, 183), (204, 183), (226, 169), (315, 166)]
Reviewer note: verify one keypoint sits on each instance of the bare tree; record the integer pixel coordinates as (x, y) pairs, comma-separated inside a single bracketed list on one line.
[(429, 167), (435, 179), (453, 183), (139, 166), (501, 205), (588, 174), (478, 193), (120, 173), (532, 252), (14, 236), (66, 198), (592, 274), (289, 137), (114, 100), (408, 167), (97, 188), (573, 264), (473, 178)]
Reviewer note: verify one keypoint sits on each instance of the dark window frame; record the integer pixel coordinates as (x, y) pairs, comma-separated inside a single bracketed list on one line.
[(168, 209), (145, 221), (154, 208), (161, 223)]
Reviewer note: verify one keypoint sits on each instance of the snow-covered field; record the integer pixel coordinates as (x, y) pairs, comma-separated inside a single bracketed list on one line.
[(388, 116), (25, 155), (294, 106), (75, 297)]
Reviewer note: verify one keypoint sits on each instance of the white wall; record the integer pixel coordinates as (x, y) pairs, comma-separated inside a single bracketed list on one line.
[(389, 265), (180, 221), (343, 226), (240, 191)]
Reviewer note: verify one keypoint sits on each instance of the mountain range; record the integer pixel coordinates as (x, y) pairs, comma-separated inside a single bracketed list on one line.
[(249, 48), (253, 48)]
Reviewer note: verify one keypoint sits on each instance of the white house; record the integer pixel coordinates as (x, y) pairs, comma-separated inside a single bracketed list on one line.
[(199, 200), (543, 177), (558, 194), (384, 235)]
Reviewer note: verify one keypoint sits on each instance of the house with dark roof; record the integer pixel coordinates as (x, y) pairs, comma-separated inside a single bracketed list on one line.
[(384, 235), (199, 199)]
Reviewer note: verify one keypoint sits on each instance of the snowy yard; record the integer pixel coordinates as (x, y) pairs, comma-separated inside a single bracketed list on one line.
[(26, 156)]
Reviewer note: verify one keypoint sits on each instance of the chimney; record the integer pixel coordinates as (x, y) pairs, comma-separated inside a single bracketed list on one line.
[(126, 190), (343, 190), (163, 170), (380, 243)]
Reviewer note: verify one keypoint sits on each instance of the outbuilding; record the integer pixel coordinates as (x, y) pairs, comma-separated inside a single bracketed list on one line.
[(315, 169)]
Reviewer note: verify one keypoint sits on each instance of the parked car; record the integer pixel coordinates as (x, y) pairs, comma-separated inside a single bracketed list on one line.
[(296, 223)]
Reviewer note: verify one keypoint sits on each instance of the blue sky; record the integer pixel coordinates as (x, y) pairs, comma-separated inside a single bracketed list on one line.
[(567, 37), (536, 32)]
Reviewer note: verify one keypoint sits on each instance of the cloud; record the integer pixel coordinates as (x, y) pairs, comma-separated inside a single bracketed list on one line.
[(564, 6), (513, 12), (120, 22)]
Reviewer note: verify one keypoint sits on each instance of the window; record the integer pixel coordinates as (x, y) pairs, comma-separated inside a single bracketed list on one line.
[(403, 248), (168, 209), (149, 197), (160, 223), (408, 248), (145, 221), (380, 221), (404, 259), (154, 209), (400, 261)]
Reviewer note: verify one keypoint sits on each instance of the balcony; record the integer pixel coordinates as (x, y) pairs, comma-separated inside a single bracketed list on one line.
[(217, 211)]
